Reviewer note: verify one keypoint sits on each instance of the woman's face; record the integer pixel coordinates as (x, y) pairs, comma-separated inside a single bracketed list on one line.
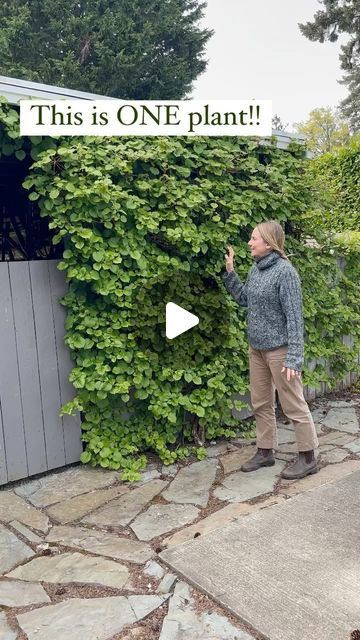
[(257, 245)]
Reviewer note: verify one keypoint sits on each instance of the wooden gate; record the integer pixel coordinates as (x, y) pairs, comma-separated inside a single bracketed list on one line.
[(34, 367)]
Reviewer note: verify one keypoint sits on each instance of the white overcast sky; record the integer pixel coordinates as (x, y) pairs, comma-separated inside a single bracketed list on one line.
[(258, 51)]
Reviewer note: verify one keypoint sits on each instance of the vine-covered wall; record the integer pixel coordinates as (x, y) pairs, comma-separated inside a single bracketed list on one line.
[(146, 221)]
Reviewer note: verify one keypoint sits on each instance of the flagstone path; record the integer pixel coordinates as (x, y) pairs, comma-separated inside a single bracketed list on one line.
[(78, 547)]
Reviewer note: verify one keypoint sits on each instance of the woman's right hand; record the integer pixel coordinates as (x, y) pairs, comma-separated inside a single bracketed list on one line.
[(229, 259)]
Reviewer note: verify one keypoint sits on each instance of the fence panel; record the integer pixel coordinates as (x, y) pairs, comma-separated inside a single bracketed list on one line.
[(34, 368)]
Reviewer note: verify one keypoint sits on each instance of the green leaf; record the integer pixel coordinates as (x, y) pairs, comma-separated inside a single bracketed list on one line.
[(85, 456), (20, 154), (98, 256), (33, 195)]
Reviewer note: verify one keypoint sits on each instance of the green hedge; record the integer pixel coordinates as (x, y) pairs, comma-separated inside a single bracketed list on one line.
[(146, 221), (336, 179)]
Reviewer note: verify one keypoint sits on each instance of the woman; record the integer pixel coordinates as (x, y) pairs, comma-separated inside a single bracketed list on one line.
[(272, 294)]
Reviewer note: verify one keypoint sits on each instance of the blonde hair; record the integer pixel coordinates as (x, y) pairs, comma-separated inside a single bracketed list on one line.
[(273, 234)]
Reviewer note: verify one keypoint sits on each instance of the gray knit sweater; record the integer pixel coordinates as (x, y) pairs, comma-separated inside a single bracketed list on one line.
[(272, 294)]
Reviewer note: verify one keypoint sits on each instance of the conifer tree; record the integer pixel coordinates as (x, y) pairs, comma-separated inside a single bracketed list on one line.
[(130, 49), (341, 17)]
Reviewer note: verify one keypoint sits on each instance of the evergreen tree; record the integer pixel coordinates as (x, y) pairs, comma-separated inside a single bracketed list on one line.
[(350, 106), (130, 49), (341, 16)]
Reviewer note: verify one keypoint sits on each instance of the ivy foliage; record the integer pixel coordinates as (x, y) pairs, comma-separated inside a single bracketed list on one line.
[(146, 221), (11, 144)]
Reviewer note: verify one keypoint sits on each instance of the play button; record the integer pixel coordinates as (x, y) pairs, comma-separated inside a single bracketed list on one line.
[(178, 320)]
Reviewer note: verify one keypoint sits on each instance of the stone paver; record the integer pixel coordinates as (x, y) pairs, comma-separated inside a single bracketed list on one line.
[(124, 509), (97, 497), (216, 450), (102, 543), (15, 593), (161, 518), (219, 519), (66, 484), (27, 533), (286, 435), (192, 484), (94, 618), (75, 508), (151, 474), (331, 438), (336, 455), (244, 486), (326, 475), (6, 633), (183, 622), (233, 461), (12, 507), (12, 550), (74, 567), (342, 420), (354, 447), (169, 469), (326, 447), (167, 583), (154, 570), (345, 439)]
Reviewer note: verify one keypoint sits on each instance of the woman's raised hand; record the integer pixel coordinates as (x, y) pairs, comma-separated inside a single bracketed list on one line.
[(229, 259)]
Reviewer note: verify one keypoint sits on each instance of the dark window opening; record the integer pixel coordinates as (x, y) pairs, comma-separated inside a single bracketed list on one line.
[(24, 234)]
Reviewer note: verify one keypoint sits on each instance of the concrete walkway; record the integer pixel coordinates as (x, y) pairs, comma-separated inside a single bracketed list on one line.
[(80, 551), (291, 571)]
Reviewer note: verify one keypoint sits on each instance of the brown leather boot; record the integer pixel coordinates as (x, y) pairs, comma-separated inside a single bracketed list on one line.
[(303, 466), (262, 458)]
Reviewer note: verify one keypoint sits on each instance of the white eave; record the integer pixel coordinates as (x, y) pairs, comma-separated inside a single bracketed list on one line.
[(14, 89)]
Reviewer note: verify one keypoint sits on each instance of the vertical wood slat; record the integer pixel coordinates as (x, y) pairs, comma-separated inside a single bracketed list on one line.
[(29, 377), (71, 424), (34, 368), (48, 368), (10, 394)]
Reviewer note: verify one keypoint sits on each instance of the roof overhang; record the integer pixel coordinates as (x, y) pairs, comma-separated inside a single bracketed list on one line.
[(14, 89)]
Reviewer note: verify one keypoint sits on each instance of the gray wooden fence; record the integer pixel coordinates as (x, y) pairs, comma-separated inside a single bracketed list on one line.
[(34, 368)]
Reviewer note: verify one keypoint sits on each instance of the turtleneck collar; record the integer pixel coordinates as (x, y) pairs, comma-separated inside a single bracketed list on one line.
[(266, 261)]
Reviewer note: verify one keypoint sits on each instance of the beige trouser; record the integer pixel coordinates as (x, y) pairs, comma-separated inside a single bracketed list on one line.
[(265, 376)]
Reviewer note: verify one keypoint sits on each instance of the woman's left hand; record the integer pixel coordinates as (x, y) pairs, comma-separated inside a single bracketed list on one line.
[(290, 373)]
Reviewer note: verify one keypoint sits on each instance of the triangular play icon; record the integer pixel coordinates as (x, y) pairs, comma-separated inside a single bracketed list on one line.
[(178, 320)]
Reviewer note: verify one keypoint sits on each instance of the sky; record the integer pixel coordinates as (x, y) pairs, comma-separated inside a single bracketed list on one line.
[(259, 52)]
